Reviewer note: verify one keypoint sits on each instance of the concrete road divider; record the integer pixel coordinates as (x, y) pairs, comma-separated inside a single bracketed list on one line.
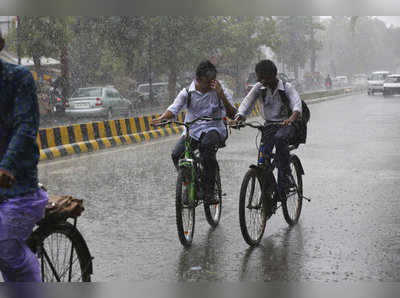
[(68, 140)]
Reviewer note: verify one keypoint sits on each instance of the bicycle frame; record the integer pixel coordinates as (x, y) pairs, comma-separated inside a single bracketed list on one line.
[(187, 164)]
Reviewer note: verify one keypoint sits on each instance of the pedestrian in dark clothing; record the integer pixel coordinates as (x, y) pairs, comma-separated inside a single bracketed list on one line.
[(22, 202)]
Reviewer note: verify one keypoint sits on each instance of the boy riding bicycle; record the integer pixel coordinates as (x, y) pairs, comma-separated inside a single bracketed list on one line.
[(204, 98), (269, 91)]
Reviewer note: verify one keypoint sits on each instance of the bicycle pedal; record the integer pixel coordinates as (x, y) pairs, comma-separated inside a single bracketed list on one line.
[(223, 195), (304, 197)]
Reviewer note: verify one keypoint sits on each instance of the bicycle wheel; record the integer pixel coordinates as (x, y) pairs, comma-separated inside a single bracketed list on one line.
[(185, 212), (62, 253), (252, 214), (213, 212), (291, 206)]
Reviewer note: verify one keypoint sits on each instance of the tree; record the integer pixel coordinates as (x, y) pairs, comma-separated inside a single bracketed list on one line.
[(239, 42), (294, 45)]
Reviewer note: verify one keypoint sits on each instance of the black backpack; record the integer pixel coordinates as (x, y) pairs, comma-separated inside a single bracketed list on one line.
[(300, 124)]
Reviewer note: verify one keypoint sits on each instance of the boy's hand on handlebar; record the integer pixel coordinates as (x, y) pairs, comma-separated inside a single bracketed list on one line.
[(287, 122), (157, 121)]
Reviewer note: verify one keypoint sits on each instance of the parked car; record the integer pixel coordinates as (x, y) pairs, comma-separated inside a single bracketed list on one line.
[(98, 102), (391, 86), (159, 89), (375, 81)]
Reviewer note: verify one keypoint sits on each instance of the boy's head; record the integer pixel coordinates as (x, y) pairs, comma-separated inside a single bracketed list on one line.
[(266, 72), (205, 74)]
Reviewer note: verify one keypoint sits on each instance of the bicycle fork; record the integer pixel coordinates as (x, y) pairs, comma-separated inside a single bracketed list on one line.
[(188, 176)]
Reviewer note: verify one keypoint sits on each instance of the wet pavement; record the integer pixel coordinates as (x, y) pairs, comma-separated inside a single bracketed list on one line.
[(350, 230)]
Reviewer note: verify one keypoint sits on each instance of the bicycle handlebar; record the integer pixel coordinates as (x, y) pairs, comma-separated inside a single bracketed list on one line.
[(188, 124), (257, 125)]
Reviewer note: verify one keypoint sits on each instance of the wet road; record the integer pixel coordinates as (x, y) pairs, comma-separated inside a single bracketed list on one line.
[(350, 230)]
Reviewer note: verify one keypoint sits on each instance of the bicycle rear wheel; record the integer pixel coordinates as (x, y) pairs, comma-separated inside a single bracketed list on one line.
[(213, 212), (292, 204), (185, 211), (62, 253), (252, 212)]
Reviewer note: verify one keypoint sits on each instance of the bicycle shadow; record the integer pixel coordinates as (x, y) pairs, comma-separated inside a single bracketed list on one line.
[(200, 262), (278, 258)]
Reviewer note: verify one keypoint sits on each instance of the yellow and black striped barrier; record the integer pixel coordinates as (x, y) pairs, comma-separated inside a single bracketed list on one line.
[(74, 139)]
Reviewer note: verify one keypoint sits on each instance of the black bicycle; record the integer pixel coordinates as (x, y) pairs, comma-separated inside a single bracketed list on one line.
[(189, 188), (61, 250), (260, 196)]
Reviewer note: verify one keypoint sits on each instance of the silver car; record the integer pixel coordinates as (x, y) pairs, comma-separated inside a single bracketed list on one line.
[(98, 102)]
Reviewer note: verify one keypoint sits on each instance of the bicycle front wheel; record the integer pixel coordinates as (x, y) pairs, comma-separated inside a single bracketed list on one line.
[(292, 204), (252, 212), (62, 253), (185, 211), (213, 212)]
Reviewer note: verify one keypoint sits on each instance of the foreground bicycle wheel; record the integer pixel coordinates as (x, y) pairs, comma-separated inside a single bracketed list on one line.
[(185, 212), (252, 212), (291, 206), (62, 253), (213, 212)]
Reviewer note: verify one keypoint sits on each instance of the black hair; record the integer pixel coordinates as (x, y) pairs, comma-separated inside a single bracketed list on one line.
[(266, 67), (206, 69)]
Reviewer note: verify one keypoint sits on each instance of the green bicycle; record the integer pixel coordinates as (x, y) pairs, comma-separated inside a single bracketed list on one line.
[(189, 190)]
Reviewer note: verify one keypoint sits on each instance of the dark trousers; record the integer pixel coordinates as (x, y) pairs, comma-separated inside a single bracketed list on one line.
[(208, 146), (278, 137)]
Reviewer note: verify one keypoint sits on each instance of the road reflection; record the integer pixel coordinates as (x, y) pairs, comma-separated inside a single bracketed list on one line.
[(201, 261), (279, 257)]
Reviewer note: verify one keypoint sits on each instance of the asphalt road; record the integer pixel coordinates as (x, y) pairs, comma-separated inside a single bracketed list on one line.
[(350, 230)]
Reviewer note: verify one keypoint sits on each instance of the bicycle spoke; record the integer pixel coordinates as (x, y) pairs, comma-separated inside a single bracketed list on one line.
[(59, 259)]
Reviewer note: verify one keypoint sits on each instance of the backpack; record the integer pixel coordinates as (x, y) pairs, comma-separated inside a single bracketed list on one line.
[(299, 124)]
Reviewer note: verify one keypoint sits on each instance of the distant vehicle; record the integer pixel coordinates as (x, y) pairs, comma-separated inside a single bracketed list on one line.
[(375, 81), (98, 102), (360, 80), (57, 101), (391, 86), (341, 81), (159, 90)]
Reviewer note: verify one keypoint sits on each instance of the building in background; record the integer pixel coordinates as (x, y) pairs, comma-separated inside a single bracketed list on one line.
[(5, 23)]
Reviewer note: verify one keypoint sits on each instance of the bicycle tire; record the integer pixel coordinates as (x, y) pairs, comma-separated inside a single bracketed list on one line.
[(185, 233), (252, 239), (40, 242), (291, 206), (213, 212)]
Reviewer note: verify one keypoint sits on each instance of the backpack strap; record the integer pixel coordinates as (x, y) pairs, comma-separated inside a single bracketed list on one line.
[(189, 99), (285, 100)]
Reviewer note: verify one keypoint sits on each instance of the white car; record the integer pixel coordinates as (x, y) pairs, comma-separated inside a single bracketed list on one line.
[(375, 81), (391, 86), (341, 81)]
